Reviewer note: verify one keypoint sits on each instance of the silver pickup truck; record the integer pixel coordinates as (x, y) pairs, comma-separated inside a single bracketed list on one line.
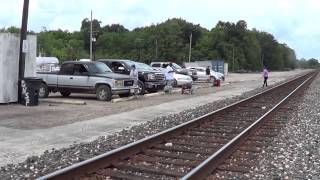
[(86, 77)]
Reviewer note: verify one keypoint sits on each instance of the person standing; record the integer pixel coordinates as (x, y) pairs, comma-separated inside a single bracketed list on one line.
[(134, 74), (208, 72), (265, 75), (169, 77)]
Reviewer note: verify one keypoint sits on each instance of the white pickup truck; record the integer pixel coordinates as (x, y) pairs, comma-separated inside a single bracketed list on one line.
[(86, 77)]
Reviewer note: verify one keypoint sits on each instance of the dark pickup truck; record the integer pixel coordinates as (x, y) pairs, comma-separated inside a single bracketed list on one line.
[(149, 79), (86, 77)]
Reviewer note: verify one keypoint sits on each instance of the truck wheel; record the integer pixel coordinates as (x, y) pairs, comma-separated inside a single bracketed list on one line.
[(141, 88), (43, 91), (103, 93), (65, 94)]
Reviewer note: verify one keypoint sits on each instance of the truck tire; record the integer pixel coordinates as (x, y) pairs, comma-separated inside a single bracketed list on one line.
[(103, 93), (141, 89), (43, 91), (65, 93)]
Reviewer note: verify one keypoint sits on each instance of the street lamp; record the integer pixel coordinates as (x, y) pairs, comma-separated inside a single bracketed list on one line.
[(190, 47), (233, 58), (91, 36)]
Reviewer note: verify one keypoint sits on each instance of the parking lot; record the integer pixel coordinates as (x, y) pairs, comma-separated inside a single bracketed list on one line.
[(59, 122)]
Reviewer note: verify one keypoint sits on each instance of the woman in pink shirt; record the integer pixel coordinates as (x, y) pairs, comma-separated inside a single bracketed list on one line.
[(265, 75)]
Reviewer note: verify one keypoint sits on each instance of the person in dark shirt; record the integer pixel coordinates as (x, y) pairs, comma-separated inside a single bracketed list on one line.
[(208, 72)]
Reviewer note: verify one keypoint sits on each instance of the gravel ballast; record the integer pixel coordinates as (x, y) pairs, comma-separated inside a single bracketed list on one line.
[(56, 159), (295, 152)]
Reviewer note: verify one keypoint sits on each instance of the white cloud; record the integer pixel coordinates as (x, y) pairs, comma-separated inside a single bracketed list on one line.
[(294, 22)]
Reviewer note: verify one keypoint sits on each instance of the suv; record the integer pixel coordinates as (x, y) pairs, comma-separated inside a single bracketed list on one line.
[(149, 79), (178, 69)]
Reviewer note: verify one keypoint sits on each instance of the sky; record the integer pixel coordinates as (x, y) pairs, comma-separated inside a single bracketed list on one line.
[(294, 22)]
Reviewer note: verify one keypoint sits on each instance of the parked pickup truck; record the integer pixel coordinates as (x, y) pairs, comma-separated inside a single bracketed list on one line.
[(86, 77), (149, 79)]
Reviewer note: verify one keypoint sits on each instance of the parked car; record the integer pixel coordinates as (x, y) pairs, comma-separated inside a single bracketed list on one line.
[(149, 79), (178, 69), (201, 72), (86, 77), (220, 75), (179, 79)]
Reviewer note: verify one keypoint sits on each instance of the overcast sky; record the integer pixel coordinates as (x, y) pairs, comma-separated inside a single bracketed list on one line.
[(294, 22)]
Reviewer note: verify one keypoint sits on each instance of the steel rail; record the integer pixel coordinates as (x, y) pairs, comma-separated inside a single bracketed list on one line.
[(134, 147), (207, 166)]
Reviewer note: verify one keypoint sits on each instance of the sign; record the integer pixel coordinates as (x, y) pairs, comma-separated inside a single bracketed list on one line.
[(25, 46)]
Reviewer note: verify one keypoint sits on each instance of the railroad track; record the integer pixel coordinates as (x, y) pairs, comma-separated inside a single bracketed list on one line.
[(205, 147)]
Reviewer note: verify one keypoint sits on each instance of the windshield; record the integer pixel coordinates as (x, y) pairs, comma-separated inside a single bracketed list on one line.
[(98, 67), (176, 66), (142, 67)]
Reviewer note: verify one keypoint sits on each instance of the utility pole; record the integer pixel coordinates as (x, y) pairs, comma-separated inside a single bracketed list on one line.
[(190, 47), (233, 58), (91, 36), (156, 49), (23, 41), (262, 56)]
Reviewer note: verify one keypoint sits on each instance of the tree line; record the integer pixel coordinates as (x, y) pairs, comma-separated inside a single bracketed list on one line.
[(240, 47)]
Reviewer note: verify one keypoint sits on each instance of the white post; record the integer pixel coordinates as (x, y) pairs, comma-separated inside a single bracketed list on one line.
[(190, 47), (233, 58), (91, 36), (156, 49)]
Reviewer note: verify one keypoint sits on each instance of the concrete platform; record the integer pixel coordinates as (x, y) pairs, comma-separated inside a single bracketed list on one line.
[(18, 139)]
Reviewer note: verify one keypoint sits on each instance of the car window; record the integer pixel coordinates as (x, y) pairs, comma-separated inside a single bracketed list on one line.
[(79, 69), (155, 65), (142, 66), (67, 69), (118, 67), (98, 67), (176, 66)]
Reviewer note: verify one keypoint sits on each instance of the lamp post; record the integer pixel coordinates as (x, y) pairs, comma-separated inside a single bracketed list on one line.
[(139, 44), (156, 42), (190, 47), (91, 36), (94, 48), (232, 58)]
